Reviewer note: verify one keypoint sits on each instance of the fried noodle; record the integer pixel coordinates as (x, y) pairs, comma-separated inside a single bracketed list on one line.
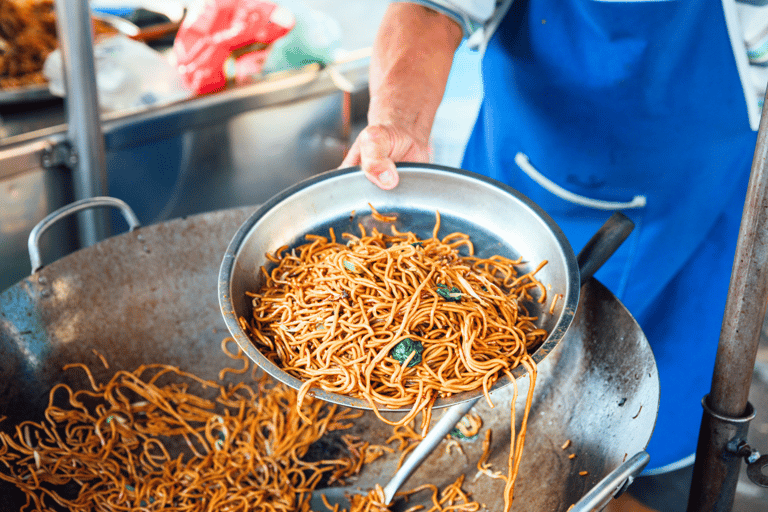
[(161, 438)]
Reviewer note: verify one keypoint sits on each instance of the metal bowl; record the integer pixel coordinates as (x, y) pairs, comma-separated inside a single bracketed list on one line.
[(499, 220)]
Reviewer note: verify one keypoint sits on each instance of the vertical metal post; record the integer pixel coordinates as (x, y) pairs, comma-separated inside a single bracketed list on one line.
[(75, 33), (717, 467)]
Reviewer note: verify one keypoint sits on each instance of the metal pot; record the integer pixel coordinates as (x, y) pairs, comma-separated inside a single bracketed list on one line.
[(149, 296), (499, 220)]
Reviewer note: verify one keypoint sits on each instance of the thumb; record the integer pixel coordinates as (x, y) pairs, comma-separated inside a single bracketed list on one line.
[(376, 145)]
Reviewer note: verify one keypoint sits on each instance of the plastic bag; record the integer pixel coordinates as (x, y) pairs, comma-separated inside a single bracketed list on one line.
[(315, 38), (129, 74), (221, 40)]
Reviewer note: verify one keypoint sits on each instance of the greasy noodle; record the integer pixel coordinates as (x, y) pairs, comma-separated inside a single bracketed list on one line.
[(334, 313), (158, 438), (451, 498), (330, 314)]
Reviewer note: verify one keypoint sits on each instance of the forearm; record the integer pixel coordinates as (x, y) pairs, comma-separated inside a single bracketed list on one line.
[(411, 61)]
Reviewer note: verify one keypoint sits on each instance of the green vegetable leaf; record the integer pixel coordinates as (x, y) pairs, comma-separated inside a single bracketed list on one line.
[(405, 348), (452, 294), (457, 434)]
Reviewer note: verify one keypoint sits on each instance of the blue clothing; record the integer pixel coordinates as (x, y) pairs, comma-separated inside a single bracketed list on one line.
[(612, 100)]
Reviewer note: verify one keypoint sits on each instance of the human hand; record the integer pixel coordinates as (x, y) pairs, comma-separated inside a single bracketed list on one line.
[(378, 147), (410, 64)]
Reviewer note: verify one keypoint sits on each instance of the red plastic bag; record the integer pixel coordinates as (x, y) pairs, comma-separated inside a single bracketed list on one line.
[(225, 40)]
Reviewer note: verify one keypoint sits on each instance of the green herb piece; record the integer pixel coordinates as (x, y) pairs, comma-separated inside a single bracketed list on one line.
[(405, 348), (452, 294), (349, 266), (458, 434)]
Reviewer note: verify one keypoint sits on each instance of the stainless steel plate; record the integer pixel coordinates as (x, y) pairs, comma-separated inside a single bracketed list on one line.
[(499, 219)]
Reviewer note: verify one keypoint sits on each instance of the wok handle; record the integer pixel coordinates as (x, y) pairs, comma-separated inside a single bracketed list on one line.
[(603, 244), (614, 483), (33, 243)]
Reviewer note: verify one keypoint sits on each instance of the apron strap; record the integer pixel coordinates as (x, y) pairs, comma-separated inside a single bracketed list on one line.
[(525, 165)]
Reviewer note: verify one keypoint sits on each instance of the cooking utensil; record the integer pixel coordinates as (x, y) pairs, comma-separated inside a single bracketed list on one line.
[(596, 252), (149, 296), (499, 220)]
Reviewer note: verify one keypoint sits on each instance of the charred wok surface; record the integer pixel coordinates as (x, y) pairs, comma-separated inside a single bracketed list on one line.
[(150, 296)]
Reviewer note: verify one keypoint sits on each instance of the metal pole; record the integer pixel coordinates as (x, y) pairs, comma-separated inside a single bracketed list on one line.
[(726, 409), (73, 23)]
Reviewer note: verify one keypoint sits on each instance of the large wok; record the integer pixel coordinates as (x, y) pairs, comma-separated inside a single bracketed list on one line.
[(150, 296)]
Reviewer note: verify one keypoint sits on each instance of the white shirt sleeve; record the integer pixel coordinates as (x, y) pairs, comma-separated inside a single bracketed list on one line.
[(477, 9), (748, 28), (754, 26), (478, 18)]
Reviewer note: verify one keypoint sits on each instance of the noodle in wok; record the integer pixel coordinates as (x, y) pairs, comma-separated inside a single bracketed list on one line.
[(159, 438), (153, 439)]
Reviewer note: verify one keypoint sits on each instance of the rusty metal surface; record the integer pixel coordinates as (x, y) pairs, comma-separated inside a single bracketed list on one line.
[(151, 296), (719, 443), (715, 473), (746, 304)]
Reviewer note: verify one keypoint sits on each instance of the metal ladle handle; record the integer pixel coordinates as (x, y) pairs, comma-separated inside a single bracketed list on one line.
[(444, 425), (603, 244), (596, 252), (33, 243)]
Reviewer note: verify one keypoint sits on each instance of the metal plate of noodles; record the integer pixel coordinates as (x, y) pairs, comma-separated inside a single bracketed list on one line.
[(498, 219)]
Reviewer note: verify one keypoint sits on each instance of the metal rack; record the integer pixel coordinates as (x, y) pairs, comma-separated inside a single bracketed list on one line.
[(86, 140)]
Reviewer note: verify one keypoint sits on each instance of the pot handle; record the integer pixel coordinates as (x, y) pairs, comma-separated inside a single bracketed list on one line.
[(613, 485), (603, 244), (33, 243)]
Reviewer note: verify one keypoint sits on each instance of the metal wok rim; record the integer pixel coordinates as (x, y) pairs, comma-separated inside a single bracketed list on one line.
[(569, 303)]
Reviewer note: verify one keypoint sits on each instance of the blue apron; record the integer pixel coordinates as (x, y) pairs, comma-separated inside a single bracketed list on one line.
[(612, 100)]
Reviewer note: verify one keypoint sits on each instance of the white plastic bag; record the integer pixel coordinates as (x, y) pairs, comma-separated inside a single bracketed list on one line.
[(129, 74)]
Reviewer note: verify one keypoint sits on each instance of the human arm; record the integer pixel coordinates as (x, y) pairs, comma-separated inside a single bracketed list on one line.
[(411, 61)]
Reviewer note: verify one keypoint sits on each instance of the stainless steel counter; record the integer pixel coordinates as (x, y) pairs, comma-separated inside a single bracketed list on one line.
[(237, 147), (234, 148)]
